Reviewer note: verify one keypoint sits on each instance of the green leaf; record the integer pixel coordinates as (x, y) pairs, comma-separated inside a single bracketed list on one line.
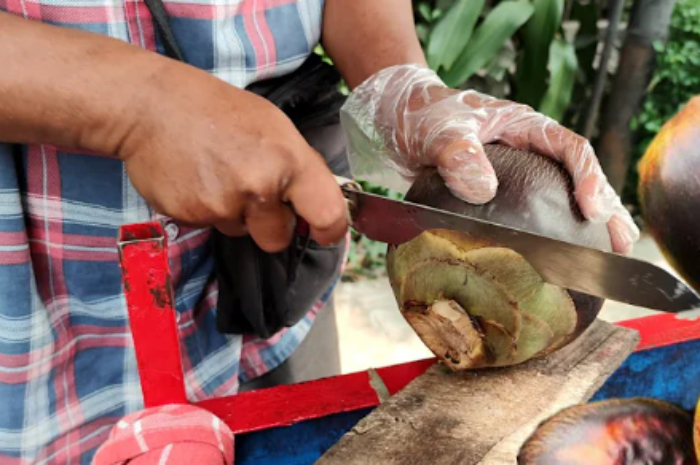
[(562, 66), (452, 33), (444, 5), (500, 24), (422, 31), (537, 36), (425, 11)]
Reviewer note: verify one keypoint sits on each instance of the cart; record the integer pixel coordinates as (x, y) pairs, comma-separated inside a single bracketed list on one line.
[(297, 424)]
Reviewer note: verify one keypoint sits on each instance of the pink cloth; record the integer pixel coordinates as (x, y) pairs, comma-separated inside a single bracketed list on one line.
[(168, 435)]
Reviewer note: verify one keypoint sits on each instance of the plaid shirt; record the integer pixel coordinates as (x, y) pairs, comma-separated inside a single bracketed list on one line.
[(67, 365)]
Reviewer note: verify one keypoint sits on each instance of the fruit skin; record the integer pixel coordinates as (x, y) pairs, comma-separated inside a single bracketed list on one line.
[(613, 432), (535, 193), (696, 430), (669, 191)]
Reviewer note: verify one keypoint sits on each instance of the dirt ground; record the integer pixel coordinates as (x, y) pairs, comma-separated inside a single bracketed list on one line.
[(374, 334)]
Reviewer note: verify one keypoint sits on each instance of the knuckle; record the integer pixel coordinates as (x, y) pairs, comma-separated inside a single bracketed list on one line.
[(331, 215), (219, 209), (259, 189)]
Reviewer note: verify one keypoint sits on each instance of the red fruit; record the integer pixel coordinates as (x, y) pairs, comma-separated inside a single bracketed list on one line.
[(613, 432)]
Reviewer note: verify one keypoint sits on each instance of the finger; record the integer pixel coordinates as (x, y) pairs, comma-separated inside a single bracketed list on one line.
[(317, 198), (596, 198), (270, 223), (541, 134), (467, 171), (623, 233)]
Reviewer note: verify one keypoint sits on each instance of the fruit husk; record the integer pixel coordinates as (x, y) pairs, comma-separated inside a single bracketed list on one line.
[(669, 191), (511, 309), (696, 430), (613, 432)]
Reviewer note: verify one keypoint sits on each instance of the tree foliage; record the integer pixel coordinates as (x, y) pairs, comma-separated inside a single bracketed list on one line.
[(676, 80), (542, 53)]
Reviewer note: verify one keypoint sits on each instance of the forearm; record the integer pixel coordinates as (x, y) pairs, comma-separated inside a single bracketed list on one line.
[(70, 88), (366, 36)]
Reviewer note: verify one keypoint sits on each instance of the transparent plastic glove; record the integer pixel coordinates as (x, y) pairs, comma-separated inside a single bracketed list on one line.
[(404, 118)]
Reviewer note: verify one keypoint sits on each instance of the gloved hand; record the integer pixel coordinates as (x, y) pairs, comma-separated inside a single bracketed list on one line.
[(405, 118)]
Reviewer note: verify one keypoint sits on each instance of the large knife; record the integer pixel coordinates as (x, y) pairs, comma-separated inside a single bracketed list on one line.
[(607, 275)]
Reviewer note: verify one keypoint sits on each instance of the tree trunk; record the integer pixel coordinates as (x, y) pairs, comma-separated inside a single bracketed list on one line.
[(591, 114), (649, 22)]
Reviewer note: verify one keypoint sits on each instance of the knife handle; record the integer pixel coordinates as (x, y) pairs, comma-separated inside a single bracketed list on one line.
[(302, 227)]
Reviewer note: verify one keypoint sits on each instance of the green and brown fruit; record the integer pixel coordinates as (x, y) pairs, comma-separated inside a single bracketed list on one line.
[(475, 303), (669, 191), (613, 432)]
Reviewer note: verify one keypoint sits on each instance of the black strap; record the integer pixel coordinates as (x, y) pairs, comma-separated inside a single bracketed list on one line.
[(160, 17)]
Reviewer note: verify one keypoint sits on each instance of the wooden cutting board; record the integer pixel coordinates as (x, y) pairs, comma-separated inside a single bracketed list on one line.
[(482, 417)]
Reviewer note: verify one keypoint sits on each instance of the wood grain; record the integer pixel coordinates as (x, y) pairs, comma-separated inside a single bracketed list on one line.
[(482, 417)]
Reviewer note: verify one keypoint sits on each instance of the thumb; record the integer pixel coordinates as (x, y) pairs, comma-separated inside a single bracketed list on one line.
[(467, 172)]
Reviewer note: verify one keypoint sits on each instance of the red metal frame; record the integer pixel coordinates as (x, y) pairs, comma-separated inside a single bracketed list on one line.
[(149, 297), (143, 254), (663, 330)]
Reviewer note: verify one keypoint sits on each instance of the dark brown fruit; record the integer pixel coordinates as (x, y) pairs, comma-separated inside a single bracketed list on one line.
[(669, 191), (536, 194), (613, 432)]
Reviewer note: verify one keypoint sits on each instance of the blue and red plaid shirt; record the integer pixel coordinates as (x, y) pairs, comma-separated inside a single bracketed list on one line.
[(67, 364)]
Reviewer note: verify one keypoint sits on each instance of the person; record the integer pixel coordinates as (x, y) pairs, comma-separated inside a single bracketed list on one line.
[(100, 129)]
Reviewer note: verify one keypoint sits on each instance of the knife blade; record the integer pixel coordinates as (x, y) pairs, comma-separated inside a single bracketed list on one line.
[(590, 271)]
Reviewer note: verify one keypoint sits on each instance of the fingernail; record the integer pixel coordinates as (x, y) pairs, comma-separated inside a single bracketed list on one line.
[(603, 202), (624, 233), (622, 242)]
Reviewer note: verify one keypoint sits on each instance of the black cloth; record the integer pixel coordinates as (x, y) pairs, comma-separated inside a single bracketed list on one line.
[(261, 293), (318, 356)]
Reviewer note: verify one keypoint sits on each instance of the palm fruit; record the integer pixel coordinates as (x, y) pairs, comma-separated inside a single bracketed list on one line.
[(613, 432), (696, 430), (475, 303), (669, 191)]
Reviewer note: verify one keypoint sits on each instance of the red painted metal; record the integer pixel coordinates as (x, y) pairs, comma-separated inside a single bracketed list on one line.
[(397, 377), (286, 405), (143, 257), (663, 330), (146, 279)]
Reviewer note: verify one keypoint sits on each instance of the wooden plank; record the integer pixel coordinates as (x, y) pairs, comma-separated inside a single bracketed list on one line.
[(482, 417)]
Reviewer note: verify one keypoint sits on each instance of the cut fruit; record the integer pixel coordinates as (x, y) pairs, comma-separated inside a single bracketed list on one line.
[(424, 246), (499, 296), (535, 336), (466, 310), (437, 279)]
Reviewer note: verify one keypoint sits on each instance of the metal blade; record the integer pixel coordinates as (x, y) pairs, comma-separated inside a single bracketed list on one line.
[(566, 265)]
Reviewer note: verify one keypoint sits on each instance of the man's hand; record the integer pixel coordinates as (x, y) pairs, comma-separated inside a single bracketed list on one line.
[(209, 154), (197, 149), (421, 122)]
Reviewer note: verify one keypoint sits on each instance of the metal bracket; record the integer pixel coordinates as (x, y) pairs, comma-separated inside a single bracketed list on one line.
[(143, 257)]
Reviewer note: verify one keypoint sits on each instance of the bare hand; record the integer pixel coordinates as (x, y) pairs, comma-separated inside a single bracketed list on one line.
[(207, 153)]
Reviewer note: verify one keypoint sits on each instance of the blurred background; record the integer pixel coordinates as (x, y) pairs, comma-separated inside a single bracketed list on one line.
[(612, 70)]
